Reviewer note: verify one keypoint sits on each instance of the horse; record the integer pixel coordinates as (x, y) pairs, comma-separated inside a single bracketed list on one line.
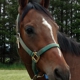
[(37, 43), (71, 52)]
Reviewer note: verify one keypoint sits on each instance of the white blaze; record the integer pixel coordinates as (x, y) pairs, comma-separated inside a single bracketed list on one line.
[(51, 32)]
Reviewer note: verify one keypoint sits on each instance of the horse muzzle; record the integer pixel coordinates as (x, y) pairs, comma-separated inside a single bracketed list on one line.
[(59, 74)]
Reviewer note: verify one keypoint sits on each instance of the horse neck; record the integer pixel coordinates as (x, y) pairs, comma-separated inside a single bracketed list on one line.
[(74, 63)]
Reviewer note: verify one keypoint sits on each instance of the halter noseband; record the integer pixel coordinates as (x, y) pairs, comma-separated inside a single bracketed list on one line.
[(35, 55)]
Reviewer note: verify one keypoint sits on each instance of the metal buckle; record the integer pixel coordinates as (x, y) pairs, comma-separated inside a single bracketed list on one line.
[(18, 36), (35, 57)]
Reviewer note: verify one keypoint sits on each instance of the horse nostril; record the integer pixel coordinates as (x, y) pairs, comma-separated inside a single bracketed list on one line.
[(57, 74), (61, 75)]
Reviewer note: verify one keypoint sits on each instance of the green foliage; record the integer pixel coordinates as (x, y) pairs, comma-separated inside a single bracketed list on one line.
[(67, 15), (7, 29)]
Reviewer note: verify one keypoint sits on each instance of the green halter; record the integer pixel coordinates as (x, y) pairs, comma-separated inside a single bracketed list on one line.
[(35, 55)]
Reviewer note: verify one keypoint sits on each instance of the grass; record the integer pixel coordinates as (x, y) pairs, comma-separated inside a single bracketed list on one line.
[(14, 75), (13, 72), (16, 66)]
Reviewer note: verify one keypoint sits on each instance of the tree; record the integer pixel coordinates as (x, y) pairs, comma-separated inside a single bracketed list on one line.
[(8, 14), (67, 15)]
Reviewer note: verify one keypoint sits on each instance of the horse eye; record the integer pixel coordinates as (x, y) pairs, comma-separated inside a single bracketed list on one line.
[(29, 30)]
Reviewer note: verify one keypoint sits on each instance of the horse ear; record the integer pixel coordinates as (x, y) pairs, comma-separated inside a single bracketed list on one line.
[(45, 3), (22, 4)]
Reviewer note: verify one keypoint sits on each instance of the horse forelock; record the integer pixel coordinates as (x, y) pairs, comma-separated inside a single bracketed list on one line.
[(36, 6), (68, 45)]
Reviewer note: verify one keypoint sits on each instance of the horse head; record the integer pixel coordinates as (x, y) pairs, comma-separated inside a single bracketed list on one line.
[(38, 41)]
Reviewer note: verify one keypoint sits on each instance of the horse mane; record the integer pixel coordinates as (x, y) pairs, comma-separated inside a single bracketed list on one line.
[(68, 45)]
